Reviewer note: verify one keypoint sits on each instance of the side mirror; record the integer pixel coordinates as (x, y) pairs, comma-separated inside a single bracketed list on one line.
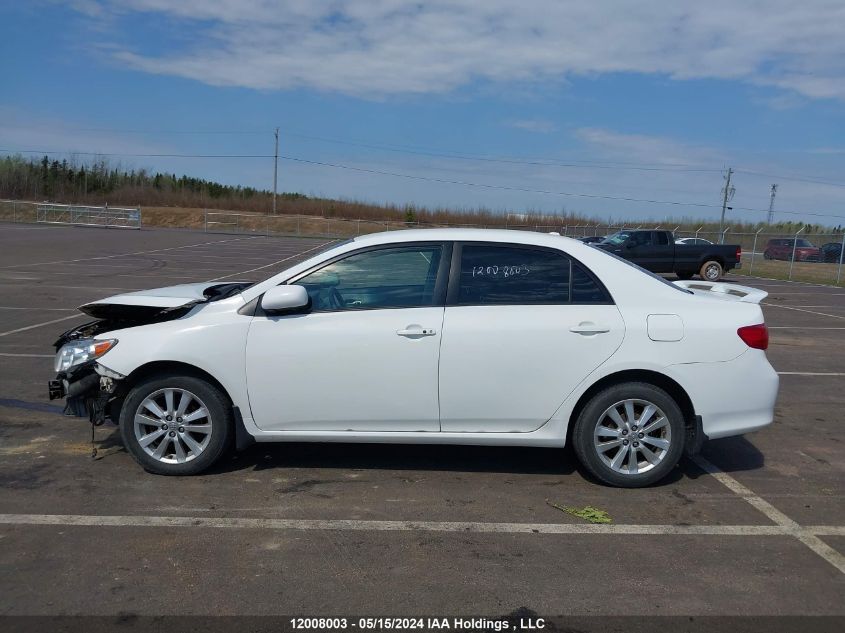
[(285, 300)]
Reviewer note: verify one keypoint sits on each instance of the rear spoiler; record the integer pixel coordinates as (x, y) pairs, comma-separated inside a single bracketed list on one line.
[(721, 290)]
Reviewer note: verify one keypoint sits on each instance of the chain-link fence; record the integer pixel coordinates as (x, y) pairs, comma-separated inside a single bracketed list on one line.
[(815, 258)]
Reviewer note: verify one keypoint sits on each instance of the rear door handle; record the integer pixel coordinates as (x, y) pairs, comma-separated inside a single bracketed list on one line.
[(416, 331), (587, 328)]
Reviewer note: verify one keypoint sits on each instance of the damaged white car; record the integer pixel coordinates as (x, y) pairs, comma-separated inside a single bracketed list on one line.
[(435, 336)]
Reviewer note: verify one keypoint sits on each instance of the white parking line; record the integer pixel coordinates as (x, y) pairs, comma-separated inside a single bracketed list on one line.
[(398, 526), (27, 355), (158, 250), (31, 327), (39, 309), (252, 270), (773, 514), (775, 305), (809, 373)]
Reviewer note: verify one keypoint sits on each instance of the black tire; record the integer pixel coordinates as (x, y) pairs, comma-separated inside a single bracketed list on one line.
[(219, 414), (684, 276), (592, 414), (767, 255), (711, 270)]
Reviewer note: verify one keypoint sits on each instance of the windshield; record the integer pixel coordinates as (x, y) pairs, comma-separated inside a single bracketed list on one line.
[(805, 243), (617, 238)]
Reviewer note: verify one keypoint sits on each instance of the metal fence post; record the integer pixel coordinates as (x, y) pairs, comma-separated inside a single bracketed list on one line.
[(358, 228), (753, 252), (205, 215), (794, 244), (725, 232), (841, 253), (697, 230), (15, 212), (297, 226)]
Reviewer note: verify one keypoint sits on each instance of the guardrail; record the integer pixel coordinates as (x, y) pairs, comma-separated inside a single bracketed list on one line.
[(109, 217)]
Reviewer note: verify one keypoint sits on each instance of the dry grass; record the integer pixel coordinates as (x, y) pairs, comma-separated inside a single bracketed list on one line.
[(812, 272)]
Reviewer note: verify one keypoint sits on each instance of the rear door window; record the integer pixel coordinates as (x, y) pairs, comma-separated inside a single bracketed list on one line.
[(492, 274)]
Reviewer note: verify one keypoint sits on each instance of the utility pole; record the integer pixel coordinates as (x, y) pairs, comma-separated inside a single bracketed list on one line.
[(275, 168), (771, 218), (727, 194)]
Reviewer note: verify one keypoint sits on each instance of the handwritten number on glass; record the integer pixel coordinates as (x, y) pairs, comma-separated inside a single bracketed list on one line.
[(500, 272)]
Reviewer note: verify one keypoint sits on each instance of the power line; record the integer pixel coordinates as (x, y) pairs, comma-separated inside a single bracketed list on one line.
[(794, 178), (405, 149), (669, 167), (541, 191), (416, 150), (425, 178)]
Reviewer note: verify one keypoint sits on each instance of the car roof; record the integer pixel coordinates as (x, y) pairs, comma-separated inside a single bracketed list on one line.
[(467, 235)]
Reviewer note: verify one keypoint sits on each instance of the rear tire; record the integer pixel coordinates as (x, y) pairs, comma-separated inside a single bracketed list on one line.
[(620, 451), (711, 271), (175, 424)]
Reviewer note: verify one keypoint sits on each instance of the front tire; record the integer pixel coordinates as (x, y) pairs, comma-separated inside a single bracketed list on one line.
[(630, 435), (176, 424)]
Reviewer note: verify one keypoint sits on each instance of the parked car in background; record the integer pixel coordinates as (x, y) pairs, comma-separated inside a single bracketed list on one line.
[(782, 248), (437, 336), (694, 241), (657, 251), (591, 239), (831, 252)]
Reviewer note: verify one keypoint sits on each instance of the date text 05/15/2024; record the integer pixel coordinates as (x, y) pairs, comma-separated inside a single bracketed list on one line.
[(418, 623)]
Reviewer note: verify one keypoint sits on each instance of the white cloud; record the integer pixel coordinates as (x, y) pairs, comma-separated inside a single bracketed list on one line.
[(540, 126), (648, 149), (376, 48)]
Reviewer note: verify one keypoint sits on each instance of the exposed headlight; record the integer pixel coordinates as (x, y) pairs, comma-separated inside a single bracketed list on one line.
[(81, 351)]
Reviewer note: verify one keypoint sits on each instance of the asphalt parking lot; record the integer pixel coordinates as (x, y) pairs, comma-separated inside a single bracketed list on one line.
[(755, 527)]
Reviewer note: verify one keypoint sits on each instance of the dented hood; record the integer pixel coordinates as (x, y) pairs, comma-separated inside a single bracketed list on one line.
[(144, 304)]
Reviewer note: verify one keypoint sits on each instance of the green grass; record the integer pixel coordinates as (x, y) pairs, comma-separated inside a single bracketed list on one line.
[(588, 513)]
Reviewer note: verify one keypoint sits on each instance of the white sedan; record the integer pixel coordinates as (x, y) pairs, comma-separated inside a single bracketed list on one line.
[(441, 336)]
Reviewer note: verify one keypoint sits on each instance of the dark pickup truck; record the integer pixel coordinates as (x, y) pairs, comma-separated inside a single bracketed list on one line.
[(656, 251)]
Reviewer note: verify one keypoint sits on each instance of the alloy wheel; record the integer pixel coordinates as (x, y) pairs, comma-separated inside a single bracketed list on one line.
[(632, 436), (172, 425)]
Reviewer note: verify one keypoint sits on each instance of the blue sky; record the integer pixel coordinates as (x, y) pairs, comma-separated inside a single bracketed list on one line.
[(644, 101)]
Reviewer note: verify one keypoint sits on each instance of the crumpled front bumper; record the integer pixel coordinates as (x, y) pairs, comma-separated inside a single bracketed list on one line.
[(88, 390)]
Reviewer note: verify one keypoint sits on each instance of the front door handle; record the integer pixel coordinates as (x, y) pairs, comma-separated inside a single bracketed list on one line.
[(416, 331), (588, 328)]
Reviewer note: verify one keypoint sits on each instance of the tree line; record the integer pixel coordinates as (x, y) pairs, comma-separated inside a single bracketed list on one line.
[(100, 181)]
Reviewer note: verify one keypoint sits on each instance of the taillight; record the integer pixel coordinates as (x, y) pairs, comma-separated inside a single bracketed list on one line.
[(756, 336), (739, 253)]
